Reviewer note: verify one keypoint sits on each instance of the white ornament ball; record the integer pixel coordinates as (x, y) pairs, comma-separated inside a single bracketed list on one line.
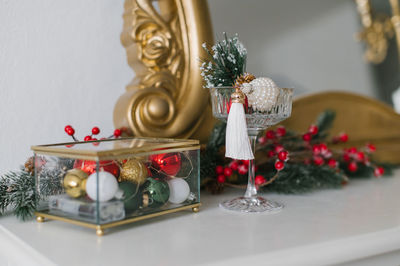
[(108, 186), (179, 190), (262, 93)]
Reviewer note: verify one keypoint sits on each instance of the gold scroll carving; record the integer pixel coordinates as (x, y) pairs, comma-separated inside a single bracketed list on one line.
[(165, 98)]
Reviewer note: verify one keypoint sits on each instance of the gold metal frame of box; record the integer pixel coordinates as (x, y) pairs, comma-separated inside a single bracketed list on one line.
[(41, 216), (174, 145)]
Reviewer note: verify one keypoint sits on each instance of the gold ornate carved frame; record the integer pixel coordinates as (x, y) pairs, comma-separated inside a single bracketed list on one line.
[(165, 98)]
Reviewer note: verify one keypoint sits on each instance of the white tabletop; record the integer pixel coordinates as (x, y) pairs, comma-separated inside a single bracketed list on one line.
[(324, 227)]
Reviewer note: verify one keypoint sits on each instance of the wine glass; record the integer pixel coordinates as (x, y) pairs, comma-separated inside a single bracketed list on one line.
[(257, 121)]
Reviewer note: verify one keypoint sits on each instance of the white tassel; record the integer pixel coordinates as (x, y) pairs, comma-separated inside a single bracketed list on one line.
[(237, 144)]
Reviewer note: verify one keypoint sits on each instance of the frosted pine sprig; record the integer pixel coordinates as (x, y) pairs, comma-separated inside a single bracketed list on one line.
[(225, 62)]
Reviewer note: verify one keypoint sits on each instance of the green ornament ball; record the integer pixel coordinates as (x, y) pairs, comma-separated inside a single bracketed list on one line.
[(132, 196), (158, 192)]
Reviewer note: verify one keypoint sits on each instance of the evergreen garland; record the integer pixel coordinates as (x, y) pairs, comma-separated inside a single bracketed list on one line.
[(225, 62), (297, 177)]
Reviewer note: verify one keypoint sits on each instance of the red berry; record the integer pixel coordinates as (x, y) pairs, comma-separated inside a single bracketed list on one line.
[(95, 130), (318, 160), (307, 161), (242, 169), (307, 137), (323, 148), (219, 170), (227, 171), (346, 157), (335, 140), (271, 154), (360, 156), (379, 171), (278, 148), (279, 165), (352, 150), (70, 131), (281, 131), (259, 180), (95, 143), (117, 133), (87, 138), (332, 163), (316, 149), (343, 137), (234, 165), (262, 140), (352, 167), (313, 129), (221, 179), (270, 134), (283, 155), (371, 147), (245, 162)]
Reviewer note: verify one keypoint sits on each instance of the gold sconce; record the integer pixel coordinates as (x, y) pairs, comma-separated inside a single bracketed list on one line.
[(378, 29), (163, 46)]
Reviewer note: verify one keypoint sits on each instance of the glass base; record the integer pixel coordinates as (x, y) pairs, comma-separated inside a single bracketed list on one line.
[(251, 204)]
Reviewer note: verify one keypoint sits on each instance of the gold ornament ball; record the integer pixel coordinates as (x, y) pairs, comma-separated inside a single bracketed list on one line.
[(75, 183), (133, 171)]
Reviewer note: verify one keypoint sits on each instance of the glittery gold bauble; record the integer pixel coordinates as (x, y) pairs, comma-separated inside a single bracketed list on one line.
[(75, 183), (134, 171)]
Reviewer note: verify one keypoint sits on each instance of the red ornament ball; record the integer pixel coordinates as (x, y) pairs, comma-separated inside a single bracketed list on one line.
[(259, 180), (95, 130), (219, 170), (221, 179), (245, 162), (283, 155), (169, 163), (117, 133), (379, 171), (313, 129), (307, 137), (227, 171), (279, 165), (89, 167), (352, 167)]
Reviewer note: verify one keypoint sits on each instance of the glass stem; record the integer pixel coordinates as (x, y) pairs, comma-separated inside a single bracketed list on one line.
[(251, 190)]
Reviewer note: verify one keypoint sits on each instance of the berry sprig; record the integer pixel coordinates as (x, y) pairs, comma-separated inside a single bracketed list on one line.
[(95, 131)]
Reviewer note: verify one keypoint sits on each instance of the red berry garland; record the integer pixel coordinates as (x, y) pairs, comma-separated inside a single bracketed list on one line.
[(95, 131)]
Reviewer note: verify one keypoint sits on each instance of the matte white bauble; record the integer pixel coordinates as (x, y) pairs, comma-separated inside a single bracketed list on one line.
[(108, 186), (179, 190)]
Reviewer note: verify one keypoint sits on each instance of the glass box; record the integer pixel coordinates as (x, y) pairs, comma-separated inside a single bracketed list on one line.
[(106, 183)]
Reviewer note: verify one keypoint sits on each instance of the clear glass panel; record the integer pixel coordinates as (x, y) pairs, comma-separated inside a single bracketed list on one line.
[(105, 191)]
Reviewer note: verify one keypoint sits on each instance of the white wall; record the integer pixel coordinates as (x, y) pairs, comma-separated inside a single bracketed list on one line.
[(61, 62), (308, 45)]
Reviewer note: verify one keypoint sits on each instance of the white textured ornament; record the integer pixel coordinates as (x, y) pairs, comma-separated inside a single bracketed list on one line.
[(108, 186), (262, 93), (237, 144), (179, 190)]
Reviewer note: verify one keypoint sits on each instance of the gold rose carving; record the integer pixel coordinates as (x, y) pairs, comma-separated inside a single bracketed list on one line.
[(165, 98)]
